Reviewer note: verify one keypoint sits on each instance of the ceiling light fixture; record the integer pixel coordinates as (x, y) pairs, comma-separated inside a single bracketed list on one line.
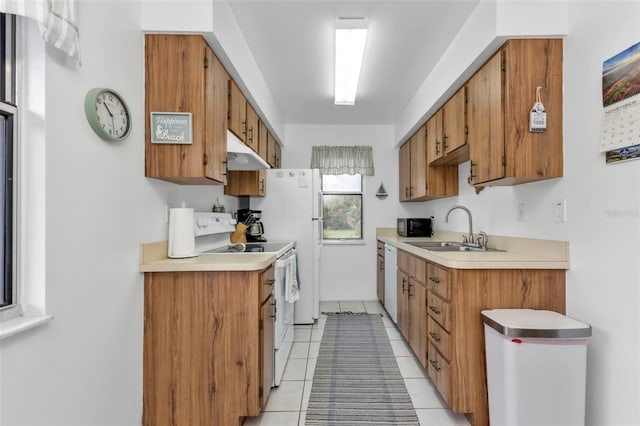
[(351, 37)]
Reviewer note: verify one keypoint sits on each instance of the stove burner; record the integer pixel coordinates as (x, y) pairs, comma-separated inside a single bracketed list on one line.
[(253, 248)]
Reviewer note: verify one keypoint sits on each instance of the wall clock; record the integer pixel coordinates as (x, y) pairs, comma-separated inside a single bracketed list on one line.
[(107, 114)]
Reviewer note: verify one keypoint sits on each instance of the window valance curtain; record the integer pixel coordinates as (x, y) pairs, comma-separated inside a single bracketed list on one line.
[(57, 18), (343, 160)]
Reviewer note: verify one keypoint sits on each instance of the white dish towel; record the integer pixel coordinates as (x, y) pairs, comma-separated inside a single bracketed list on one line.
[(291, 290)]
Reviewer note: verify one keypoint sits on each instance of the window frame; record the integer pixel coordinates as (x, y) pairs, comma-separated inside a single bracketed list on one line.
[(357, 240), (9, 110)]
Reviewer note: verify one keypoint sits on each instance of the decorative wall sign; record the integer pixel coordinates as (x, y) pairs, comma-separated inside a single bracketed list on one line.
[(621, 101), (171, 127)]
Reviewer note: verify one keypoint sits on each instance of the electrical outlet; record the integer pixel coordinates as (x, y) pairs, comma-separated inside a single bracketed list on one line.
[(521, 212), (560, 211)]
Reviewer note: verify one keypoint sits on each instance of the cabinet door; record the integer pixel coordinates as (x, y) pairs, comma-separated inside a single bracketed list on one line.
[(418, 168), (252, 128), (272, 153), (417, 296), (278, 156), (434, 137), (237, 111), (454, 122), (380, 278), (216, 124), (263, 134), (267, 346), (486, 122), (403, 306), (187, 92), (404, 169), (246, 183)]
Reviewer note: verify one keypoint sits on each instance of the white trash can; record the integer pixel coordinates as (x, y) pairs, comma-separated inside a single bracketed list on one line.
[(536, 367)]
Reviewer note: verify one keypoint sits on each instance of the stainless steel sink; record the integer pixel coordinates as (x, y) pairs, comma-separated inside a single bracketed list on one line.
[(450, 246), (436, 244)]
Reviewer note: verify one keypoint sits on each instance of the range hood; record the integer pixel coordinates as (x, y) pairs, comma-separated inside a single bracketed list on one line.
[(241, 157)]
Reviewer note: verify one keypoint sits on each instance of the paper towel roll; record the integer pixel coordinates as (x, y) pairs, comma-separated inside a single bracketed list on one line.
[(182, 239)]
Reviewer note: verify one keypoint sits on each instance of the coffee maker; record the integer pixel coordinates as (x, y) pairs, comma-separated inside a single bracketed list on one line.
[(255, 229)]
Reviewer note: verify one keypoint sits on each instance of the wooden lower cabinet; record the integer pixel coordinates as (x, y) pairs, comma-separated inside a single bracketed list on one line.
[(267, 354), (208, 340), (439, 316), (456, 357), (412, 297)]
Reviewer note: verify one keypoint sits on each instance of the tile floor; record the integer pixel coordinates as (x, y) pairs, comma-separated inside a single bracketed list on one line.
[(288, 403)]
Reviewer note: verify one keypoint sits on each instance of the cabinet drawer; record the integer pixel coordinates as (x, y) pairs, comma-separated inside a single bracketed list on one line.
[(380, 248), (439, 338), (419, 269), (438, 370), (404, 261), (438, 281), (439, 310)]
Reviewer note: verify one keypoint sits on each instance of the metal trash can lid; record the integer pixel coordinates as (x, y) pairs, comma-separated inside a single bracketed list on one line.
[(535, 323)]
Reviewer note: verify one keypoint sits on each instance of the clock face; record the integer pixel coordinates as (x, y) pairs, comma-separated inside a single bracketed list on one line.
[(107, 114), (112, 114)]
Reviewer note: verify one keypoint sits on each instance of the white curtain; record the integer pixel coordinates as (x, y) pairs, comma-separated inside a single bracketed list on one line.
[(341, 160), (57, 18)]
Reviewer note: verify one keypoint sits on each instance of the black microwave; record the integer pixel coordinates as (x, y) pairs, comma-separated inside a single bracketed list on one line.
[(415, 227)]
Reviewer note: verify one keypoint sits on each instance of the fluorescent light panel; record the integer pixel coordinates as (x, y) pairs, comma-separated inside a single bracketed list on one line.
[(351, 37)]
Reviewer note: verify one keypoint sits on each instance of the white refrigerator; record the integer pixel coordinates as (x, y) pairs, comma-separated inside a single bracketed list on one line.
[(292, 210)]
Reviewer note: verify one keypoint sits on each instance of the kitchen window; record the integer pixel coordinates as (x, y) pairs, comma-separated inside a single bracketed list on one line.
[(8, 292), (342, 207)]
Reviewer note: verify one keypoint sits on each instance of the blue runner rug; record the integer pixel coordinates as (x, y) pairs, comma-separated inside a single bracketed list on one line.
[(357, 380)]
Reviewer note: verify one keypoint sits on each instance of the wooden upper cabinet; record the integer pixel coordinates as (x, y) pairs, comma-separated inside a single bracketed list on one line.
[(198, 85), (454, 129), (252, 139), (237, 111), (247, 183), (418, 186), (274, 152), (404, 168), (420, 181), (434, 137), (263, 135), (500, 96), (486, 122)]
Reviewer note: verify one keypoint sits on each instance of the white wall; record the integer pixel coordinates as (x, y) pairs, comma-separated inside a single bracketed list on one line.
[(85, 366), (348, 271)]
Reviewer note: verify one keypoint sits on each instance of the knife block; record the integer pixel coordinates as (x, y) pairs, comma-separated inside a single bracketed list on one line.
[(238, 235)]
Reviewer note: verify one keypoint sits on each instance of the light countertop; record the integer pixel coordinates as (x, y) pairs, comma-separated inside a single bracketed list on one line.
[(153, 258), (520, 253)]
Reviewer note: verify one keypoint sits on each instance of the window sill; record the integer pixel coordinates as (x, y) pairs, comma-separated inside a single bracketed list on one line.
[(22, 323), (343, 242)]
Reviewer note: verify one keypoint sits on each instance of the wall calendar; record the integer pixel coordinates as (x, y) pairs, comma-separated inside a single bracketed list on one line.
[(620, 137)]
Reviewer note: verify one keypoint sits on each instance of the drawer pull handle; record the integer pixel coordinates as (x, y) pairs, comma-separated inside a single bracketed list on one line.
[(270, 282), (434, 336), (434, 280), (434, 310), (434, 364)]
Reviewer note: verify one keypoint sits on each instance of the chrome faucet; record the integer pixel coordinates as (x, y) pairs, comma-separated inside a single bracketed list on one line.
[(469, 238)]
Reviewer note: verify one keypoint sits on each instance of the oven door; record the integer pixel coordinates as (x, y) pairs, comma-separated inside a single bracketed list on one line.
[(283, 335)]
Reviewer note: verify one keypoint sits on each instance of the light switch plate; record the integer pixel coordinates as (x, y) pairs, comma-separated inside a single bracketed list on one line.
[(560, 211)]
